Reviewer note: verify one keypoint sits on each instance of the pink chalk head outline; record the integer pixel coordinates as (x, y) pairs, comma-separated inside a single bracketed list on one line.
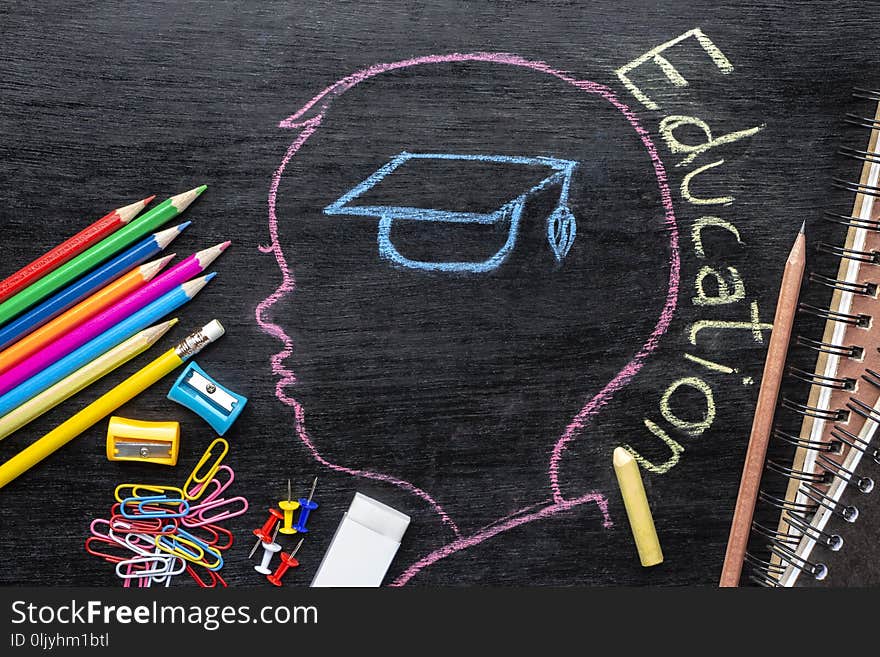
[(307, 120)]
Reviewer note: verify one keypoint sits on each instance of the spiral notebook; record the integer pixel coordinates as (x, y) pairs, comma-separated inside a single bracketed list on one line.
[(836, 444)]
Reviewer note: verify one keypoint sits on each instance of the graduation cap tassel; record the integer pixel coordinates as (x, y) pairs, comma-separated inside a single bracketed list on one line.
[(561, 231)]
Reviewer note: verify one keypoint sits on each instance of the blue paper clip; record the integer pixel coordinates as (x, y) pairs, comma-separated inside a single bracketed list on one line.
[(155, 499), (202, 395)]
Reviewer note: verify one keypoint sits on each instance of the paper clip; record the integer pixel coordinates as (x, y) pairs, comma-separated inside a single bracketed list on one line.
[(201, 474), (141, 526), (201, 394), (216, 531), (144, 490), (215, 578), (157, 571), (151, 507), (186, 546), (197, 517), (91, 541), (219, 487)]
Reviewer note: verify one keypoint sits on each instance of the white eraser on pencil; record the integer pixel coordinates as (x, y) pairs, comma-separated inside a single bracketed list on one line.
[(363, 546)]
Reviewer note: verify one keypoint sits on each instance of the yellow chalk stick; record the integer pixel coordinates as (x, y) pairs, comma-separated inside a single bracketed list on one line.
[(637, 510)]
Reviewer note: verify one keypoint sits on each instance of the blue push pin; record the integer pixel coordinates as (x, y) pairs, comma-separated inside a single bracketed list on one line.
[(306, 506)]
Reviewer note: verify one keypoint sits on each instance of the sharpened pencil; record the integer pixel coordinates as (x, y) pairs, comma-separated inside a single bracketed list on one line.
[(80, 313), (774, 367), (97, 254), (109, 402), (82, 378), (109, 223), (143, 318), (83, 287), (106, 319)]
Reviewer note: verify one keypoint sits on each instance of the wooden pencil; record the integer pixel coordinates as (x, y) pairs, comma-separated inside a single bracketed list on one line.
[(774, 367), (81, 313), (94, 256), (69, 248), (82, 378)]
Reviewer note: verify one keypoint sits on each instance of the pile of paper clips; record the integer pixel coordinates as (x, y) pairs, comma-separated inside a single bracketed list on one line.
[(156, 532)]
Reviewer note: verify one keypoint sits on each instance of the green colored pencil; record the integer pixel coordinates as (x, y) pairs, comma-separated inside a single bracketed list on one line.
[(97, 254)]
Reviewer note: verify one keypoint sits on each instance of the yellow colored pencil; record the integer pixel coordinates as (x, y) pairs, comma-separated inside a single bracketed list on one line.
[(109, 402), (82, 378)]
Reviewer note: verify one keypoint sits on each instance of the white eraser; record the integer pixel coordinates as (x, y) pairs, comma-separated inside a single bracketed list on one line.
[(213, 330), (363, 546)]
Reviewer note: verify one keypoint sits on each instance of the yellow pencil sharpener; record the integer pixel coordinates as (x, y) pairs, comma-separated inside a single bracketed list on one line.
[(142, 441)]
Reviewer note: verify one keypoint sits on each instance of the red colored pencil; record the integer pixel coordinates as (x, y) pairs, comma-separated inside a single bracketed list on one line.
[(107, 224)]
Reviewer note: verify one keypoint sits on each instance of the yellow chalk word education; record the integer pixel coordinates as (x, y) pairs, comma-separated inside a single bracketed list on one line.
[(637, 510)]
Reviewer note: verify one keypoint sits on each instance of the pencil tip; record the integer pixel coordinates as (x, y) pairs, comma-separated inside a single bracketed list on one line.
[(209, 255), (130, 211), (210, 277), (182, 201), (165, 237), (182, 227), (157, 331), (149, 270), (224, 245), (803, 226), (148, 200)]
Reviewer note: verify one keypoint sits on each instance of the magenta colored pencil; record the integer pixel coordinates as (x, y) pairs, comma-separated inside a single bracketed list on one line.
[(182, 272)]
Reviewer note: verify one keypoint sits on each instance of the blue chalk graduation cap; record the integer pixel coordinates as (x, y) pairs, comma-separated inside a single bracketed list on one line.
[(561, 224)]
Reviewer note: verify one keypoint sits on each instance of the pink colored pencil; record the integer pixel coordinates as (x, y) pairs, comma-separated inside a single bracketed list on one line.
[(182, 272)]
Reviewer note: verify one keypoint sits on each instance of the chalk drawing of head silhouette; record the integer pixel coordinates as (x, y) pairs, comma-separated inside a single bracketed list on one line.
[(477, 251)]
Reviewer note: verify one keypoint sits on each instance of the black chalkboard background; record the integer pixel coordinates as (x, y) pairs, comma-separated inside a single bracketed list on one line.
[(460, 384)]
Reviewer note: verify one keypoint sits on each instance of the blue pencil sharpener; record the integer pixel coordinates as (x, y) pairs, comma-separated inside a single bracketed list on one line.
[(202, 395)]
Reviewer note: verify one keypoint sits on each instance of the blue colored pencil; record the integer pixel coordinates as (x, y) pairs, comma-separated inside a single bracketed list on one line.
[(91, 282), (120, 332)]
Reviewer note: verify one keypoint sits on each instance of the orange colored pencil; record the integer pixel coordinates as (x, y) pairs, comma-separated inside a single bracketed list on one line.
[(53, 259), (81, 312)]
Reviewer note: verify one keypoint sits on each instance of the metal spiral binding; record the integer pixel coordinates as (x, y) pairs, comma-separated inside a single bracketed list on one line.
[(850, 351), (832, 541), (860, 320), (812, 495), (832, 415), (865, 289), (870, 257), (864, 156), (849, 221)]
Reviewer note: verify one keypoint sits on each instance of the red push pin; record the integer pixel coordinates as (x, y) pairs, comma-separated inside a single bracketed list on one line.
[(264, 533), (287, 561)]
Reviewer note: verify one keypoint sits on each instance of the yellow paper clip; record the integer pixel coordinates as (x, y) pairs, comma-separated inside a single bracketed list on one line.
[(138, 440), (197, 481), (125, 491)]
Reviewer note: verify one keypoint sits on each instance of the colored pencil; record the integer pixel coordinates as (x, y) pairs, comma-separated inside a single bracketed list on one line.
[(108, 317), (109, 402), (774, 367), (80, 313), (82, 378), (70, 248), (91, 350), (97, 254), (82, 288)]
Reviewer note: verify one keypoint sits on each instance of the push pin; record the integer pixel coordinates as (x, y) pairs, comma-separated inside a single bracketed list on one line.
[(287, 561), (202, 395), (288, 506), (306, 507), (269, 550), (262, 533)]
